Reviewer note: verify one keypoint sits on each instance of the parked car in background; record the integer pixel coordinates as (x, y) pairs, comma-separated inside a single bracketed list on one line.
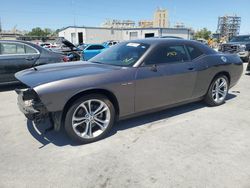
[(110, 43), (238, 45), (67, 48), (203, 41), (131, 78), (82, 46), (48, 45), (91, 50), (18, 55)]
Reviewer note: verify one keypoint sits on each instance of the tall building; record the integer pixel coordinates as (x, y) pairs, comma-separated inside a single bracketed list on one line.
[(228, 26), (112, 23), (161, 18)]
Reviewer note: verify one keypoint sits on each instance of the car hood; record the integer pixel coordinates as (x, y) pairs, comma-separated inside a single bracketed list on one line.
[(53, 72), (67, 43)]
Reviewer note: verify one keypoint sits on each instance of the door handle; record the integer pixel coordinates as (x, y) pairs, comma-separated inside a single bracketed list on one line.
[(191, 68), (29, 58)]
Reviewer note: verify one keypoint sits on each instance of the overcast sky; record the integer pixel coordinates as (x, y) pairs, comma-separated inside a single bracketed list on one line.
[(26, 14)]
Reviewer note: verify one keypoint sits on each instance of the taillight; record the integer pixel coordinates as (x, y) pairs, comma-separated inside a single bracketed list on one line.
[(65, 59)]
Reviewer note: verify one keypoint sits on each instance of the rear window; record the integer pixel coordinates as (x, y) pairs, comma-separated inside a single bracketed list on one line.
[(95, 47), (194, 52)]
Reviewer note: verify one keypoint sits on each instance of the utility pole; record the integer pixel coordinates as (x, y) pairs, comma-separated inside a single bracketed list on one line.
[(74, 39), (0, 28), (0, 25)]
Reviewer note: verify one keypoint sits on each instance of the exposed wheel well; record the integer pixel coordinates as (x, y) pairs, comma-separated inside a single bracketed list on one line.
[(220, 73), (104, 92), (223, 73)]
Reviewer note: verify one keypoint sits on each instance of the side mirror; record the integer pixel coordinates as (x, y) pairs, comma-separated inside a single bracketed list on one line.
[(153, 68)]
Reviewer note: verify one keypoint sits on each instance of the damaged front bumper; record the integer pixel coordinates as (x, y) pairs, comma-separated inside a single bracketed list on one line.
[(30, 105)]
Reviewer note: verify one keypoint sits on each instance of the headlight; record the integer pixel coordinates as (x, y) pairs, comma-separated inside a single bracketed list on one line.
[(27, 94)]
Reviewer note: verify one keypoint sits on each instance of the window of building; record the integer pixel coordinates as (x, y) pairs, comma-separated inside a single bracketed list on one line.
[(133, 35)]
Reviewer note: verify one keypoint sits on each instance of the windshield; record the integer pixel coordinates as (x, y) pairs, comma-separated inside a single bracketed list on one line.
[(241, 39), (123, 54)]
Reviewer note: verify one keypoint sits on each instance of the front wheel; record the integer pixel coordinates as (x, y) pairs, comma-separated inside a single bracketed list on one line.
[(217, 91), (89, 118)]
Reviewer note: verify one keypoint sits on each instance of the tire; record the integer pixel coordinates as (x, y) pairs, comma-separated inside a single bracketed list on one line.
[(214, 96), (84, 126)]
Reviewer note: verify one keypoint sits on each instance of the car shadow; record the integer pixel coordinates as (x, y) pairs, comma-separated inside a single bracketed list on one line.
[(60, 138)]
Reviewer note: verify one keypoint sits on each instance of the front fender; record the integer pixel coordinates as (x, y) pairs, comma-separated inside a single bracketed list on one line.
[(55, 95)]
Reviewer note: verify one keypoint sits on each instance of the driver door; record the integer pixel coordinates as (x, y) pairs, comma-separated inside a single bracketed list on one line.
[(166, 77)]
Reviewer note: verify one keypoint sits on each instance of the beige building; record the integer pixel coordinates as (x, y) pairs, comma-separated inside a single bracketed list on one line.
[(161, 18), (112, 23), (145, 24)]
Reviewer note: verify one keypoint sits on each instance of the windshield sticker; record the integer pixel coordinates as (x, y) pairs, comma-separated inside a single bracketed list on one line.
[(133, 44)]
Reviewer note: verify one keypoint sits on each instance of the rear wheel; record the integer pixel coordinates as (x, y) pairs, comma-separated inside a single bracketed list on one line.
[(89, 118), (218, 91)]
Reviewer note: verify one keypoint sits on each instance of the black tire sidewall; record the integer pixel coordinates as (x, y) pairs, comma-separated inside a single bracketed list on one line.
[(68, 119)]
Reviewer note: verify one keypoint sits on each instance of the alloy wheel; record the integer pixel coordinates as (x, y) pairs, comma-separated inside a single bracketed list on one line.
[(91, 118), (219, 90)]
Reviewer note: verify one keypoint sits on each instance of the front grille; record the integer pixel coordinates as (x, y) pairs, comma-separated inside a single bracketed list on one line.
[(230, 48)]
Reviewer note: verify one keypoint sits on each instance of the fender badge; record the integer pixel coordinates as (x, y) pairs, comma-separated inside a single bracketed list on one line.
[(224, 59)]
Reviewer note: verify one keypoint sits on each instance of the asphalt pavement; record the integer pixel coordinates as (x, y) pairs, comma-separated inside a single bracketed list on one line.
[(188, 146)]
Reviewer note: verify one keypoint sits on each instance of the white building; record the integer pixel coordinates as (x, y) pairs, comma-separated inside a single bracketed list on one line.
[(88, 35)]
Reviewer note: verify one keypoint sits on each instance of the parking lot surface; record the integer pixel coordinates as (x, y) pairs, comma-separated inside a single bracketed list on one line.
[(188, 146)]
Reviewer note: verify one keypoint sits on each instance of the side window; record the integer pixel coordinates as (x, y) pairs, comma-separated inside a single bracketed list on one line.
[(12, 48), (167, 54), (30, 50), (194, 52), (20, 49), (8, 48)]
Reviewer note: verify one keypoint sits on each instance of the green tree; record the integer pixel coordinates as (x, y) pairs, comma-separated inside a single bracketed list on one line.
[(38, 32), (47, 31), (203, 33)]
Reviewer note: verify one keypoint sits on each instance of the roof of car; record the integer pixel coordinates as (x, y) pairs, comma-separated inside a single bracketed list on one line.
[(162, 40), (157, 41), (22, 41)]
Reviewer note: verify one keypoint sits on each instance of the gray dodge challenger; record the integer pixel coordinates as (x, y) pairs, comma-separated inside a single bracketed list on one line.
[(129, 79)]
